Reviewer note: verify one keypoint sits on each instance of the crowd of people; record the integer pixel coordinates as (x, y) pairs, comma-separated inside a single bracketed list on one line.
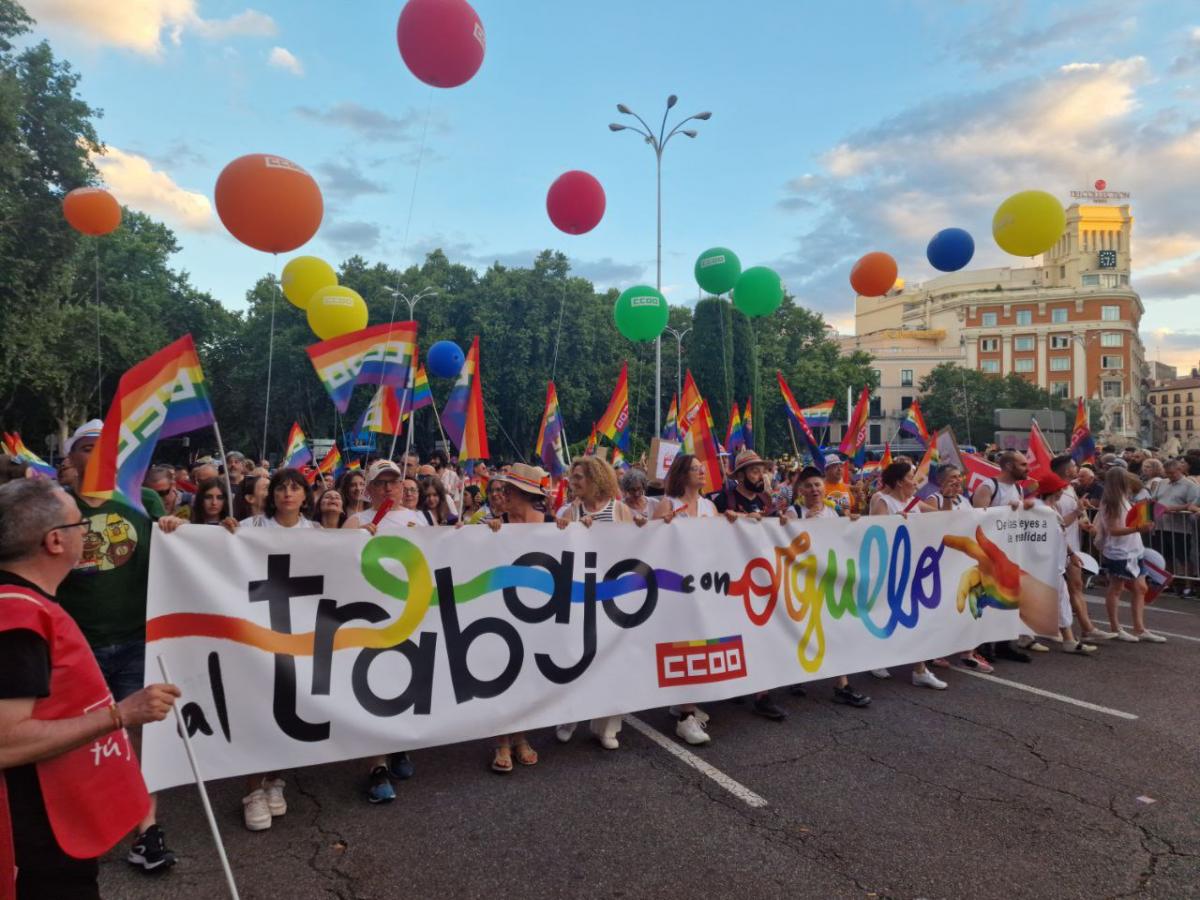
[(74, 570)]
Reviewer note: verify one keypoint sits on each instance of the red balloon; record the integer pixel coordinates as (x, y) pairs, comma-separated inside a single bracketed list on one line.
[(873, 275), (269, 203), (92, 210), (575, 202), (441, 41)]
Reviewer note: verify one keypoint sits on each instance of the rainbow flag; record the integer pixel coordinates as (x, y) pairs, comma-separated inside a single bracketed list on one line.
[(296, 455), (798, 419), (590, 449), (331, 463), (551, 446), (463, 415), (886, 459), (354, 465), (618, 455), (17, 450), (748, 427), (1141, 513), (735, 437), (671, 428), (616, 417), (856, 429), (162, 396), (818, 416), (914, 423), (1083, 448), (381, 354), (689, 404), (699, 441), (419, 397)]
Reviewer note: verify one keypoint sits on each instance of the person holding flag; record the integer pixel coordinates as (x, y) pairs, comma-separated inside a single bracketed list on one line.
[(1119, 536)]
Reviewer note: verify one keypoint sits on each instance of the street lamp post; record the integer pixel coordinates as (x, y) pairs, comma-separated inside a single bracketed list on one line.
[(679, 336), (658, 143), (411, 301)]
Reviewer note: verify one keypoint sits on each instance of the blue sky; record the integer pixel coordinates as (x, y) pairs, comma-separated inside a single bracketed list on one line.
[(836, 129)]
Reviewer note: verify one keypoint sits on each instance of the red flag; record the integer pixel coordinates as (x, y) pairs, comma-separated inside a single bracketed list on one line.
[(1039, 454), (856, 428)]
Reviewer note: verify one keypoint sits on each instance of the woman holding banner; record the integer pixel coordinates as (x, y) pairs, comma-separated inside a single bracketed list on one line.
[(897, 497), (525, 504)]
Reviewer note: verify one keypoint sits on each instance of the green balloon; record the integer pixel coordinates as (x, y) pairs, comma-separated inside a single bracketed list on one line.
[(641, 313), (758, 291), (717, 270)]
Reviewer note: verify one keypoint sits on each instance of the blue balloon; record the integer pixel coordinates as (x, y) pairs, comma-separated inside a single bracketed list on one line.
[(445, 359), (950, 249)]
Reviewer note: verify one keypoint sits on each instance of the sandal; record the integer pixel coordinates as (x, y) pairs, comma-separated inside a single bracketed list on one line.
[(526, 755), (502, 760)]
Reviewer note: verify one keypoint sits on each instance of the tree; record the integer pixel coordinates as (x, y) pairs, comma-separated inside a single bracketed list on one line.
[(744, 361), (710, 354), (966, 400)]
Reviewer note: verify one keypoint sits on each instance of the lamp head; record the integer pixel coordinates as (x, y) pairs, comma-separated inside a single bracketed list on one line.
[(689, 132), (613, 126), (671, 101), (703, 117), (622, 108)]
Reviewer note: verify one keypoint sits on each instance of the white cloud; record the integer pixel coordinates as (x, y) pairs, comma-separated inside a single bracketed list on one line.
[(138, 25), (137, 184), (282, 58)]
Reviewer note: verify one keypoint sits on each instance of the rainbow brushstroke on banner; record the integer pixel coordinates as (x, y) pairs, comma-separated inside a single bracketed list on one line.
[(381, 354), (297, 454), (462, 417), (17, 450), (162, 396), (551, 446)]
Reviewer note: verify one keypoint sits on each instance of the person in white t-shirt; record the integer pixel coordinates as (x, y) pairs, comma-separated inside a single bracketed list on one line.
[(288, 503), (1049, 493), (1121, 550), (1075, 520), (384, 483)]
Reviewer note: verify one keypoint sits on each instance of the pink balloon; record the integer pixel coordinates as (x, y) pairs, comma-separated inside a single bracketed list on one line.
[(575, 202), (441, 41)]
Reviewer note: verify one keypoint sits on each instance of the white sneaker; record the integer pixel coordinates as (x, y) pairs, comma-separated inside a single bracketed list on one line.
[(692, 731), (1097, 635), (276, 802), (881, 673), (1078, 648), (1126, 636), (606, 734), (677, 712), (1151, 637), (255, 811), (564, 733), (929, 680)]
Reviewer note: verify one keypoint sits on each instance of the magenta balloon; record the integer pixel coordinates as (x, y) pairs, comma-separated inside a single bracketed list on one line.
[(575, 202), (441, 41)]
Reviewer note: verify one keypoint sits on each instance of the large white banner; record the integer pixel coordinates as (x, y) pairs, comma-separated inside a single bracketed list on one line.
[(299, 647)]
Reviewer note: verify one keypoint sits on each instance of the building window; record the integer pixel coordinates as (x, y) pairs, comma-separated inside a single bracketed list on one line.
[(990, 366), (905, 402), (1111, 390), (989, 345), (1112, 362), (1060, 389), (1116, 421), (1189, 396), (1023, 343), (1110, 313), (906, 377), (1176, 398), (1059, 316), (1178, 412), (1189, 425), (878, 376), (1190, 410), (1060, 364), (1060, 342), (1112, 339), (1024, 317), (1091, 280), (988, 320), (1062, 273), (876, 435), (1023, 364), (876, 409)]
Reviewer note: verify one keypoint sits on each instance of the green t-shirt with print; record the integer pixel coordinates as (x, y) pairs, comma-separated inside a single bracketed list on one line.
[(106, 592)]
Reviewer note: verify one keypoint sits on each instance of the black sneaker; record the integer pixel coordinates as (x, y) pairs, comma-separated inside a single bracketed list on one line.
[(150, 851), (400, 766), (1005, 650), (850, 697), (797, 690), (766, 707)]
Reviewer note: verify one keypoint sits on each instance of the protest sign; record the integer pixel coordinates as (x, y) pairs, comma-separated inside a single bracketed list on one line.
[(296, 647)]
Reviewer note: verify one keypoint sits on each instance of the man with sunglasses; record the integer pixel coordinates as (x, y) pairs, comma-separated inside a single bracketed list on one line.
[(72, 786), (105, 593)]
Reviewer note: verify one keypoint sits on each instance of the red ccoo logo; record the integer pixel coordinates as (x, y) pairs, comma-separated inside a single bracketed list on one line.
[(1101, 184), (700, 662)]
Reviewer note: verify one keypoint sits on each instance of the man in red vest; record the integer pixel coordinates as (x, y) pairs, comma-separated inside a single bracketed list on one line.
[(72, 787)]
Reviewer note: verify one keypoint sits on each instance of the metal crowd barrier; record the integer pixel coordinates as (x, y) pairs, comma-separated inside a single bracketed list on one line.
[(1177, 537)]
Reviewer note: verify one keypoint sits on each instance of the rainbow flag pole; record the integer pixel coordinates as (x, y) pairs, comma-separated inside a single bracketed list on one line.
[(405, 402)]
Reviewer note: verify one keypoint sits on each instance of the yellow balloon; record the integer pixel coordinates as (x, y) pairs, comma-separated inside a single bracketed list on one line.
[(1029, 223), (336, 310), (304, 276), (899, 285)]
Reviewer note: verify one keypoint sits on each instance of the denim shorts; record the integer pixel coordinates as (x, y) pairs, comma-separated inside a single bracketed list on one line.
[(1119, 568), (123, 667)]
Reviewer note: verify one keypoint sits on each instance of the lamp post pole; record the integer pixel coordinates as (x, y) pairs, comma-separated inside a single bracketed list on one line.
[(658, 143), (679, 336), (412, 301)]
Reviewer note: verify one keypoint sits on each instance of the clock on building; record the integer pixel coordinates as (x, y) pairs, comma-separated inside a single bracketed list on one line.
[(1108, 259)]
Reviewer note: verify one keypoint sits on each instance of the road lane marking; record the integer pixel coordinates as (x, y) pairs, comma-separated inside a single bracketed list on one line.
[(1051, 695), (1150, 608), (689, 758)]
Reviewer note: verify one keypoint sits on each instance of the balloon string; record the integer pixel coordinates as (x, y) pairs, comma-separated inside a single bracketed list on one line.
[(99, 370), (562, 305), (270, 360)]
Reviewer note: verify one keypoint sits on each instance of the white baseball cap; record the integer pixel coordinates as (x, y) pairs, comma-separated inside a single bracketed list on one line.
[(86, 430), (380, 466)]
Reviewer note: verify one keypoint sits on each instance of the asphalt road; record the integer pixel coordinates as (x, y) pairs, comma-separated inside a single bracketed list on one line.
[(980, 791)]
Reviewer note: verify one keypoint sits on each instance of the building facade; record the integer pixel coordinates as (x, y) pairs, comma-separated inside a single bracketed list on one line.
[(1069, 325), (1175, 406)]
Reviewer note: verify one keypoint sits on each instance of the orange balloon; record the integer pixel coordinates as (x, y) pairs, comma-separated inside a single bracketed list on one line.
[(92, 210), (269, 203), (873, 275)]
